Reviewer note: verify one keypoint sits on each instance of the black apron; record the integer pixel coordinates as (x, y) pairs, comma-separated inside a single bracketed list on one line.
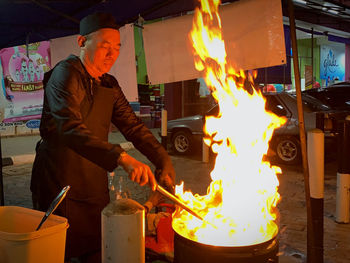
[(56, 166)]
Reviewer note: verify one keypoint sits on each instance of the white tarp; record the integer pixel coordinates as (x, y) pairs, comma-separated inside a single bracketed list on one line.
[(125, 67), (252, 30)]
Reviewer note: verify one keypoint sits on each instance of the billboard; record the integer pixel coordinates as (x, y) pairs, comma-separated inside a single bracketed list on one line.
[(23, 69)]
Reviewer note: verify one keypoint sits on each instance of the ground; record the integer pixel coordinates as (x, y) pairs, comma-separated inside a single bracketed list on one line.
[(196, 176)]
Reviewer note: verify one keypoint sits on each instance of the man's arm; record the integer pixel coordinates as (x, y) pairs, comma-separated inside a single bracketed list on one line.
[(136, 131)]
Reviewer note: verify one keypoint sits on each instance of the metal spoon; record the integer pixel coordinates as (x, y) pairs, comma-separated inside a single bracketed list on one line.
[(54, 205)]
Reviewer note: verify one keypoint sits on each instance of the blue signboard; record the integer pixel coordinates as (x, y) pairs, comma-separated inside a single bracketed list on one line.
[(33, 124), (332, 63)]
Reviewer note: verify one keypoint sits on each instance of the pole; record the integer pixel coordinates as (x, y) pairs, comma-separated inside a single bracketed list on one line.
[(205, 152), (315, 150), (311, 251), (164, 128), (182, 99), (2, 116), (312, 56), (2, 202), (343, 174), (284, 77)]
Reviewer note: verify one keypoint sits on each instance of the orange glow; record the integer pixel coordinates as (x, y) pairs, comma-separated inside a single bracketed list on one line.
[(240, 206)]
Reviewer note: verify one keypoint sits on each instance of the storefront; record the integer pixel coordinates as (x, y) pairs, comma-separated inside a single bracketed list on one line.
[(323, 58)]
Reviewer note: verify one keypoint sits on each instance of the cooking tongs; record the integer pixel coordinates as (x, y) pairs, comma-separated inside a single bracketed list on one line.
[(54, 205), (177, 201)]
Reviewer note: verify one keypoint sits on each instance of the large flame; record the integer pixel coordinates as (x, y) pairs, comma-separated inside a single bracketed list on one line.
[(240, 206)]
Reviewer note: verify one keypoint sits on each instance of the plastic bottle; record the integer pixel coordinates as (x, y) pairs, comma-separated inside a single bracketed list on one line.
[(111, 186), (117, 187)]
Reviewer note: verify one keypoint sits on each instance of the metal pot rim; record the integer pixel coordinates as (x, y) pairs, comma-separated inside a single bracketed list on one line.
[(264, 245)]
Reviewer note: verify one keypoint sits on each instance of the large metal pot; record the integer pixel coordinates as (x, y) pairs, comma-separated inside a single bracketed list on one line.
[(189, 251)]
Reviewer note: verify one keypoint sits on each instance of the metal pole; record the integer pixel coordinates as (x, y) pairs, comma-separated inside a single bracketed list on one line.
[(315, 150), (205, 152), (312, 57), (182, 99), (27, 44), (2, 202), (343, 174), (284, 77), (312, 255)]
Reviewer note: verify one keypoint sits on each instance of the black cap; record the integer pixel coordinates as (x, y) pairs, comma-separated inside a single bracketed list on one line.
[(96, 21)]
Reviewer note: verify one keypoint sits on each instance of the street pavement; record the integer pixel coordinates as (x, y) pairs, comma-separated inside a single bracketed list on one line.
[(196, 175)]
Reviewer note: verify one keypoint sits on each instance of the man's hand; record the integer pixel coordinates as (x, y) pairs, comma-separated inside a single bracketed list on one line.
[(138, 171), (166, 176)]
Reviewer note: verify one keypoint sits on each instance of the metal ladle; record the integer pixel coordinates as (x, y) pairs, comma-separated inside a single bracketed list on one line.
[(54, 205)]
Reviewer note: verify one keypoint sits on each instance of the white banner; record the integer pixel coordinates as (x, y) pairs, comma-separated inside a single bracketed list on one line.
[(252, 30), (125, 67)]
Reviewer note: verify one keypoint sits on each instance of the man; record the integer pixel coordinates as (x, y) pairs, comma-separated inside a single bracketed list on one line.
[(80, 102)]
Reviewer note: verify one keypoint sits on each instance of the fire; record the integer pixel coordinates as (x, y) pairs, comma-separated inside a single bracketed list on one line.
[(240, 206)]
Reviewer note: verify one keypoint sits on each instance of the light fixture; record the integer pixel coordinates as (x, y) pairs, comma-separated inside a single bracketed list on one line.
[(302, 2), (334, 12)]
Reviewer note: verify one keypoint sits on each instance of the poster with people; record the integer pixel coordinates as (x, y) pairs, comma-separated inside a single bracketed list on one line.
[(332, 67), (23, 69)]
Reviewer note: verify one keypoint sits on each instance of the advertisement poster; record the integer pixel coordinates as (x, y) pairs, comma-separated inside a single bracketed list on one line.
[(332, 68), (22, 92)]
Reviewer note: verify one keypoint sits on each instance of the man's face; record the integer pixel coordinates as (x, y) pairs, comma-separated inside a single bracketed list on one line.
[(102, 49)]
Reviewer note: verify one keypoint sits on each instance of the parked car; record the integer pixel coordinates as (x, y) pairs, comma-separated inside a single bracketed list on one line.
[(285, 142), (336, 96), (185, 134)]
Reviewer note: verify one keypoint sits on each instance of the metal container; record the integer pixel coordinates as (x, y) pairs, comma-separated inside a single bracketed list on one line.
[(189, 251)]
